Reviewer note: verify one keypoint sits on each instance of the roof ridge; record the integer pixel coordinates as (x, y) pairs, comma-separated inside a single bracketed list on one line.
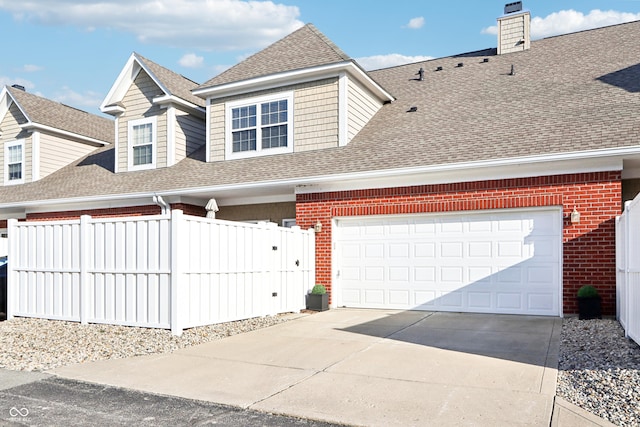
[(328, 41)]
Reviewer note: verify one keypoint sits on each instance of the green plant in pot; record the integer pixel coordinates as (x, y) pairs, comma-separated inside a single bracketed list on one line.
[(318, 299), (589, 303)]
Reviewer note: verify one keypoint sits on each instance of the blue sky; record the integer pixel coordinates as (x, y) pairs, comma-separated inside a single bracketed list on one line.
[(72, 51)]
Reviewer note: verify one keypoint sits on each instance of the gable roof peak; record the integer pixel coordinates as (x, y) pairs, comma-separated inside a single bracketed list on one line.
[(45, 113), (306, 47), (171, 83)]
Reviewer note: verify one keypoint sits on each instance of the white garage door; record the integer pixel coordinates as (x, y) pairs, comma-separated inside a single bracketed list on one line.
[(506, 261)]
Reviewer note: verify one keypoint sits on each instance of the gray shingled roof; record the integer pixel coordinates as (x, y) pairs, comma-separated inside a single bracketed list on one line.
[(177, 84), (570, 93), (304, 48), (59, 116)]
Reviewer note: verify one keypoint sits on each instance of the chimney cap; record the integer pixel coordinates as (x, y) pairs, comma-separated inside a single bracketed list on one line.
[(512, 7)]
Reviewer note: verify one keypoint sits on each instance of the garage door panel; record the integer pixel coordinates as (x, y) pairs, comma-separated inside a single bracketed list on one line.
[(509, 301), (502, 262), (480, 300), (424, 250)]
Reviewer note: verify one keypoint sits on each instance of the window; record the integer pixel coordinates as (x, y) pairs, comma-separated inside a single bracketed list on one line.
[(142, 144), (260, 126), (14, 163)]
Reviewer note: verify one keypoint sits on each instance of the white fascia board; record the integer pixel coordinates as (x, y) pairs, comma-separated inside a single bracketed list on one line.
[(122, 83), (7, 99), (5, 102), (37, 126), (293, 77), (558, 164), (113, 109), (596, 161), (166, 100)]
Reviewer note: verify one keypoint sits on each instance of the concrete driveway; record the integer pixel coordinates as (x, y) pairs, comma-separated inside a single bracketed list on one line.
[(365, 367)]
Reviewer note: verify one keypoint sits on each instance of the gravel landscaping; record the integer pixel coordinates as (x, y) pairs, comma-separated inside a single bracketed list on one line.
[(599, 370), (29, 344)]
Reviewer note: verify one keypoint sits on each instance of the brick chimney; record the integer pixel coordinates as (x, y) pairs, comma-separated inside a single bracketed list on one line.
[(514, 29)]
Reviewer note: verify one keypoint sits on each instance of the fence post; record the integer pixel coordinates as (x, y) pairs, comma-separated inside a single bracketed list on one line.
[(176, 269), (85, 260), (628, 208), (12, 254)]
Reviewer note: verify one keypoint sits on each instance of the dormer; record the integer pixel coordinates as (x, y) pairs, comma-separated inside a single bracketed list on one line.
[(158, 120), (301, 93), (39, 136)]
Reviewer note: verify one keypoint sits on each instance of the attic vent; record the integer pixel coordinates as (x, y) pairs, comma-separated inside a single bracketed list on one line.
[(512, 7), (19, 87)]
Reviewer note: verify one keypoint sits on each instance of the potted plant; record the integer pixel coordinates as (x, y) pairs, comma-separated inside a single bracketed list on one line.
[(318, 299), (589, 303)]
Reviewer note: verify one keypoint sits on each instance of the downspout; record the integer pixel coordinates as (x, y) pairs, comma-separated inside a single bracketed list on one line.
[(158, 200)]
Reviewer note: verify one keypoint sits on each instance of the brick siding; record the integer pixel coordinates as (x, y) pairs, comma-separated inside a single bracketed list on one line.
[(114, 212), (588, 246)]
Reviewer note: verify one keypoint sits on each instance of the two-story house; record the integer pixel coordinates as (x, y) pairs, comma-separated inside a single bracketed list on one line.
[(39, 136), (483, 182)]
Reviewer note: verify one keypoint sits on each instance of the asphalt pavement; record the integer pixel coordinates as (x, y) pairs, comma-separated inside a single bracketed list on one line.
[(37, 399)]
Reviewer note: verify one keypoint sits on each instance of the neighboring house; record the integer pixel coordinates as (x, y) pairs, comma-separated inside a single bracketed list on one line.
[(483, 182), (39, 136)]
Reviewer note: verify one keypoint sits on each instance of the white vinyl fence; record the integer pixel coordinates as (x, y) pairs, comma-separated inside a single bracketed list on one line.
[(628, 269), (167, 271)]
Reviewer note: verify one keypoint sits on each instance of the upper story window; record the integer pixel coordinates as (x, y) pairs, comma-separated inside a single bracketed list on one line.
[(260, 126), (14, 163), (142, 144)]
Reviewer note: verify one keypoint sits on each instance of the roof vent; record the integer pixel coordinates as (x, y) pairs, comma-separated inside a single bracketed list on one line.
[(485, 60), (512, 7), (19, 87), (439, 69), (460, 64), (420, 73)]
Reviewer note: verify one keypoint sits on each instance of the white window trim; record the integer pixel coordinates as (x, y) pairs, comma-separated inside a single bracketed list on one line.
[(15, 143), (154, 145), (229, 154)]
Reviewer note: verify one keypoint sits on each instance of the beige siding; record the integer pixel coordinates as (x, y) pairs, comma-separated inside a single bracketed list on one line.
[(513, 33), (190, 134), (11, 131), (216, 147), (56, 152), (315, 115), (362, 107), (138, 105), (274, 212)]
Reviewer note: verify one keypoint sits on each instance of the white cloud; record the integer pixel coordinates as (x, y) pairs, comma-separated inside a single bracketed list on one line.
[(196, 24), (415, 23), (8, 81), (569, 21), (385, 61), (30, 68), (191, 60), (86, 100)]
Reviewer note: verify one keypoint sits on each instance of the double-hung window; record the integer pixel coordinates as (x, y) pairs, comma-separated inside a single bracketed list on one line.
[(14, 163), (260, 126), (142, 144)]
